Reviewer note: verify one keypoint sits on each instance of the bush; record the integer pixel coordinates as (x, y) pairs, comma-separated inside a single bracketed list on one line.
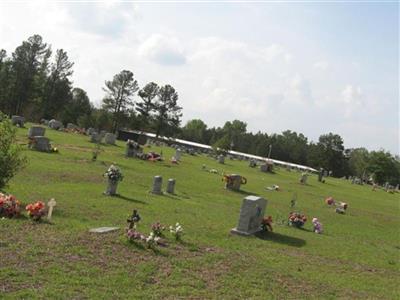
[(11, 159)]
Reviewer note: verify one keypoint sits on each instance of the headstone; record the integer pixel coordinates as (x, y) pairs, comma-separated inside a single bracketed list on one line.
[(50, 205), (36, 131), (386, 187), (221, 159), (109, 138), (326, 173), (157, 184), (252, 163), (320, 174), (71, 126), (171, 186), (251, 215), (234, 182), (54, 124), (18, 120), (96, 137), (303, 178), (90, 130), (103, 229), (41, 143), (111, 188), (178, 154)]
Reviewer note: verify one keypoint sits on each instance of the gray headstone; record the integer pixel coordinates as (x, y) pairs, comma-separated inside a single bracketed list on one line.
[(96, 137), (111, 188), (71, 126), (252, 163), (251, 215), (36, 131), (109, 138), (103, 229), (41, 143), (221, 159), (234, 183), (303, 178), (264, 168), (157, 184), (171, 186), (18, 120), (320, 174), (54, 124), (178, 154), (90, 130)]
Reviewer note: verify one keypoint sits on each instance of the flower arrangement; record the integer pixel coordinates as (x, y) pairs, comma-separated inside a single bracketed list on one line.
[(114, 174), (36, 210), (176, 230), (9, 206), (317, 225), (330, 201), (157, 229), (296, 219), (133, 234), (266, 224)]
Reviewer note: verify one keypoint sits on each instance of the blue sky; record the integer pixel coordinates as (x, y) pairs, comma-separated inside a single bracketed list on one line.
[(309, 67)]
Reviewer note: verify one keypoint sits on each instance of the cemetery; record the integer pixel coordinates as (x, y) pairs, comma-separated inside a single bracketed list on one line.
[(122, 227)]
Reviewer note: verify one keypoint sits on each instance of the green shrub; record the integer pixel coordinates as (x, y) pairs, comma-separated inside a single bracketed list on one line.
[(11, 159)]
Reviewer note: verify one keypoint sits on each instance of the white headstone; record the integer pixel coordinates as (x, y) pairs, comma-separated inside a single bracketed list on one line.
[(54, 124), (103, 229), (251, 215), (221, 159), (111, 188), (50, 205)]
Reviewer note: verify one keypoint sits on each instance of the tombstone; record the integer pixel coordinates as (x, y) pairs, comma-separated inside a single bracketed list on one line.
[(54, 124), (41, 143), (234, 182), (109, 138), (50, 205), (157, 184), (44, 122), (320, 174), (266, 167), (103, 229), (111, 188), (303, 178), (18, 120), (221, 159), (386, 186), (71, 126), (397, 187), (251, 215), (326, 173), (171, 186), (252, 163), (36, 131), (96, 137), (90, 130), (178, 154), (288, 168)]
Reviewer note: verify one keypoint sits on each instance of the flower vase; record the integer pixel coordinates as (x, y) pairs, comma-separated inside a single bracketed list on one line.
[(111, 188)]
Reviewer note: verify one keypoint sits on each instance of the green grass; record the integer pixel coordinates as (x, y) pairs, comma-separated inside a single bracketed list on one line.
[(356, 257)]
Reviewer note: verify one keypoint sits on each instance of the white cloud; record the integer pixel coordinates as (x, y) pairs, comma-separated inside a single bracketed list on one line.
[(321, 65), (163, 50)]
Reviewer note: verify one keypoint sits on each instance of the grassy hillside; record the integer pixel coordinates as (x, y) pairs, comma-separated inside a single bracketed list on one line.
[(356, 257)]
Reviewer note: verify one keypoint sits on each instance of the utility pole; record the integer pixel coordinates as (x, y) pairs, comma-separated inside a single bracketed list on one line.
[(269, 152)]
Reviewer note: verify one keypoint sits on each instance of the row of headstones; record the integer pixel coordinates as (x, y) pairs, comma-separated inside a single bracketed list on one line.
[(97, 137)]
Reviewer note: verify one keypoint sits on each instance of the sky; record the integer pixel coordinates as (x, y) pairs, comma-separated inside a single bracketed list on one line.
[(311, 67)]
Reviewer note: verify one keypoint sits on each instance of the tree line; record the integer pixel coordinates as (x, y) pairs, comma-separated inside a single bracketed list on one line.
[(37, 84)]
